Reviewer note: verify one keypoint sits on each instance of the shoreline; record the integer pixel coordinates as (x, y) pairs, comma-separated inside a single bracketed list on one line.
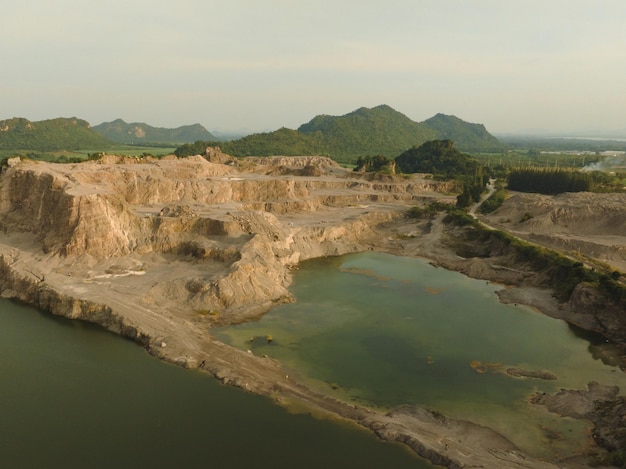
[(81, 241), (429, 434)]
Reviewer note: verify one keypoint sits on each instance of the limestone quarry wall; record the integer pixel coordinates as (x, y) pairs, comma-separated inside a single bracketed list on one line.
[(237, 233)]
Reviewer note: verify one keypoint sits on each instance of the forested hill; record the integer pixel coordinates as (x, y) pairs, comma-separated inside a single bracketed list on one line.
[(365, 132), (383, 130), (134, 133), (467, 136), (49, 135), (377, 131)]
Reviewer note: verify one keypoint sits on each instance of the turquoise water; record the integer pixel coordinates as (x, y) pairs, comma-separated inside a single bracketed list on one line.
[(383, 331), (74, 396)]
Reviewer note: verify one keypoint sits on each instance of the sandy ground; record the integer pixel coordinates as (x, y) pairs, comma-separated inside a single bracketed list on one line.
[(589, 226)]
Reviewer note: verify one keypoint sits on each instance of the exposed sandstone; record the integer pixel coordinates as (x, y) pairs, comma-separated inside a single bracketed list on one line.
[(222, 222)]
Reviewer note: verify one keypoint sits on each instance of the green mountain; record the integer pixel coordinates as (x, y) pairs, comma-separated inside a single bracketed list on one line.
[(467, 137), (49, 135), (285, 142), (377, 131), (365, 132), (122, 132)]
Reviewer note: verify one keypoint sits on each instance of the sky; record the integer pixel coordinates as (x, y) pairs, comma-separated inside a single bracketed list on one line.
[(249, 65)]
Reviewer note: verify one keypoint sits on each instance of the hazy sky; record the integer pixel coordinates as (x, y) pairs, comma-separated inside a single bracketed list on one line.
[(263, 64)]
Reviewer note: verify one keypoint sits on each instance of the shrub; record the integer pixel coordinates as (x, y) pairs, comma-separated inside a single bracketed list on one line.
[(527, 216), (493, 202), (460, 218), (429, 210)]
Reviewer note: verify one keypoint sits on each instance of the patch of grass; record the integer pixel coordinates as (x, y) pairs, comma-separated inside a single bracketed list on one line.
[(429, 210), (493, 202), (208, 312), (460, 218), (527, 216)]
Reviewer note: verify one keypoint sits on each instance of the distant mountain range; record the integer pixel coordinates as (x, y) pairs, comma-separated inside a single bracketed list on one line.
[(140, 133), (19, 135), (383, 130), (49, 135), (365, 132)]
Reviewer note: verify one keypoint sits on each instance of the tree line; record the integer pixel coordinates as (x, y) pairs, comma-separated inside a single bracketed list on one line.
[(549, 181)]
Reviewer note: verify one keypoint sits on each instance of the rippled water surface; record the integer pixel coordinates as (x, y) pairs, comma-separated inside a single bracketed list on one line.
[(384, 331)]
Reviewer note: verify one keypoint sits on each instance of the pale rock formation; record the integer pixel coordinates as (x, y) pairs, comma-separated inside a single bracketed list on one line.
[(162, 250), (237, 231)]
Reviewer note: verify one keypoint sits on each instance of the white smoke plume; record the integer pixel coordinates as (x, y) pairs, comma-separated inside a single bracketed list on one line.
[(610, 163)]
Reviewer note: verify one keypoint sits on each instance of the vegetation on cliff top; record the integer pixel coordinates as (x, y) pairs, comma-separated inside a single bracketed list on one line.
[(376, 163), (439, 157), (563, 273), (443, 160)]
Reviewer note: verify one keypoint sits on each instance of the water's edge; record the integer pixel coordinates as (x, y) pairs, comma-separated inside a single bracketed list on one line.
[(413, 427)]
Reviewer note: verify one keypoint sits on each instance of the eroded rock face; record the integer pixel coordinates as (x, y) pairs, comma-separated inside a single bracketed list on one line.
[(598, 313), (232, 231)]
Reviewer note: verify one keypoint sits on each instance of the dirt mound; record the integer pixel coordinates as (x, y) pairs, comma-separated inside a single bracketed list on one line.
[(584, 223)]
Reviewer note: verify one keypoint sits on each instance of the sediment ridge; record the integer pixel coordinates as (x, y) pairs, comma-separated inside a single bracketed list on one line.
[(161, 251)]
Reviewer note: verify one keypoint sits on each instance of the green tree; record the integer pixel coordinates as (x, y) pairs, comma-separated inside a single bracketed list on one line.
[(439, 157), (375, 163)]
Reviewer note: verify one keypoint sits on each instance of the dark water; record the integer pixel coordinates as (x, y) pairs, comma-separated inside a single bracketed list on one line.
[(73, 396), (384, 331)]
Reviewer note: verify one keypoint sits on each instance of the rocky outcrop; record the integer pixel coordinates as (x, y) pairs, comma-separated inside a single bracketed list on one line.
[(322, 162), (594, 311), (576, 403), (237, 229), (34, 291), (536, 374), (600, 404)]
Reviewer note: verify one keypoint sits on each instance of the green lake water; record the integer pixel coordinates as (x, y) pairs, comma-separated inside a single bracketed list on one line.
[(383, 331), (74, 396)]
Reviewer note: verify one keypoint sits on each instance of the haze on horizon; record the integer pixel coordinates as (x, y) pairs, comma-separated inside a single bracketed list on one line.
[(515, 66)]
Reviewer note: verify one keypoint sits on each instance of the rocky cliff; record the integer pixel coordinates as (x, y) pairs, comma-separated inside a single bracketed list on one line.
[(189, 234)]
